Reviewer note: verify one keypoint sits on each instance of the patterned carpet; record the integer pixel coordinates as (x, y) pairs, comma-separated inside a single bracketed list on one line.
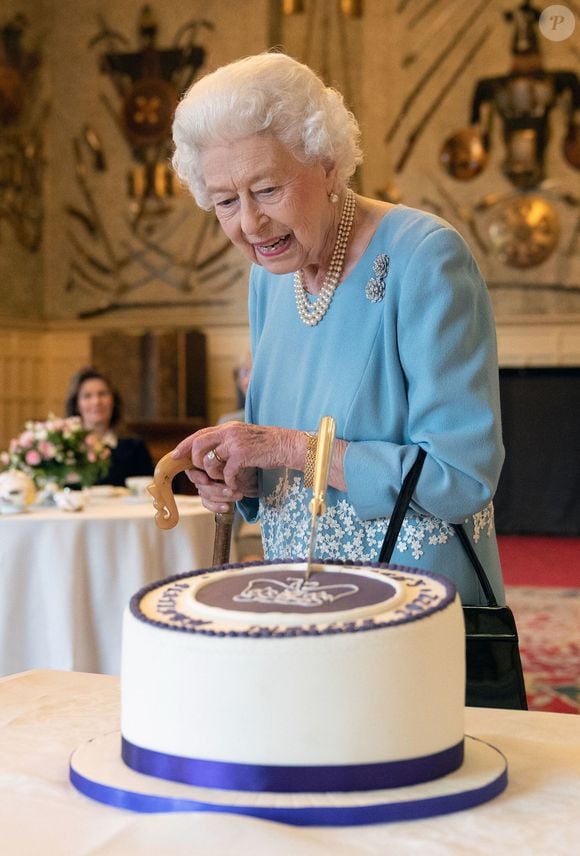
[(548, 622)]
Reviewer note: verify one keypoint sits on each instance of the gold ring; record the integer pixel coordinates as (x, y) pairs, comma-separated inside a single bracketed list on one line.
[(212, 455)]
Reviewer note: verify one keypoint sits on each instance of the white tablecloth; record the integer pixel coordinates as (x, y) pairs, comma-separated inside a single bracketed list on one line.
[(45, 715), (65, 577)]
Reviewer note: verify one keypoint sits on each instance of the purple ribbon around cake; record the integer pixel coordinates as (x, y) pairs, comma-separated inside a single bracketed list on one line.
[(402, 807), (292, 779)]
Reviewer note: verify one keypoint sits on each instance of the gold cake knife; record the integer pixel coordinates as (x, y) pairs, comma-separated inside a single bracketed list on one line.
[(324, 448)]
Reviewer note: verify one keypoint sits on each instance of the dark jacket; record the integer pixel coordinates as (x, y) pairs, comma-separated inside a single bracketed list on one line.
[(130, 457)]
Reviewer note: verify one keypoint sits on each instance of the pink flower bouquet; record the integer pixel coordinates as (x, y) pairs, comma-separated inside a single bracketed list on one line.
[(58, 450)]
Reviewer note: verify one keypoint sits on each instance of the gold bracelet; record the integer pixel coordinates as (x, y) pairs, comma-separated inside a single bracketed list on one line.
[(310, 459)]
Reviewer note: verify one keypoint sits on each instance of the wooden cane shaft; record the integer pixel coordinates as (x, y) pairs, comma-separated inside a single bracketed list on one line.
[(222, 538)]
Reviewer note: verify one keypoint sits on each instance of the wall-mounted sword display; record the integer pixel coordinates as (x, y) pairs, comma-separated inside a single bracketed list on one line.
[(449, 84)]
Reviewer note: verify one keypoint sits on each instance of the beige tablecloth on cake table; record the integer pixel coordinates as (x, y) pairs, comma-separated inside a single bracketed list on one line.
[(65, 577), (44, 715)]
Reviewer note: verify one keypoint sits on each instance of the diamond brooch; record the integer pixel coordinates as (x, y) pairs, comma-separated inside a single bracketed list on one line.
[(375, 287)]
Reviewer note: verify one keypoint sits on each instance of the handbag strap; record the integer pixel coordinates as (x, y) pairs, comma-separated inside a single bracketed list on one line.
[(401, 505), (477, 566), (398, 515)]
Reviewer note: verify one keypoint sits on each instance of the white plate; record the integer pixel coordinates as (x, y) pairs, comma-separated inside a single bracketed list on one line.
[(133, 499), (102, 490), (105, 491)]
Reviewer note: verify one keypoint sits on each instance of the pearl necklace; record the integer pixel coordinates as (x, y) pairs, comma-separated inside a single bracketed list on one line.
[(313, 313)]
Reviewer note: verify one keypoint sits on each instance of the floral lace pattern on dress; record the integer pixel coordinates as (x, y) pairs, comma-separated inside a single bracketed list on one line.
[(483, 520), (285, 521)]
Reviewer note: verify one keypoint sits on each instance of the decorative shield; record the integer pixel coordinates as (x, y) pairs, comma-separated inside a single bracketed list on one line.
[(524, 231), (464, 154), (148, 111), (11, 93)]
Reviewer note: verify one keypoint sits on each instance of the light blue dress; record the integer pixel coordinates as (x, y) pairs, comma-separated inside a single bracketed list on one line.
[(416, 366)]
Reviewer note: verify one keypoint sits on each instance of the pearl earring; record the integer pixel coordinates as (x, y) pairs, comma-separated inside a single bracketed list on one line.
[(333, 197)]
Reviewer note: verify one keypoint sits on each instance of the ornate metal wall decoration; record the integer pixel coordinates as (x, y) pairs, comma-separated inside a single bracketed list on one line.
[(523, 99), (166, 241), (21, 136), (524, 230), (519, 228)]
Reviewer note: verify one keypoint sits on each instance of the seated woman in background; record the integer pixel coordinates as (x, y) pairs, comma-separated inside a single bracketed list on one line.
[(92, 397)]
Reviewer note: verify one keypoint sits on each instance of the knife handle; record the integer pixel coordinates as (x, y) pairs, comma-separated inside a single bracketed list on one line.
[(326, 435)]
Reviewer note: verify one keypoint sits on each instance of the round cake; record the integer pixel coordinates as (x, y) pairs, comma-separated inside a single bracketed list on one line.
[(257, 678)]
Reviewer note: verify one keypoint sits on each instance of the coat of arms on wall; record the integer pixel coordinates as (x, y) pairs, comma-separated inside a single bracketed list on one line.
[(21, 132), (151, 249)]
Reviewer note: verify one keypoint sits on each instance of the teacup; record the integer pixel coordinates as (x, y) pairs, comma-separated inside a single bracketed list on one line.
[(69, 500), (137, 486)]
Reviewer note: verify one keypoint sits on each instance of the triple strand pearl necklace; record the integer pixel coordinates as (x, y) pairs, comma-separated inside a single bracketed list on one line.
[(313, 313)]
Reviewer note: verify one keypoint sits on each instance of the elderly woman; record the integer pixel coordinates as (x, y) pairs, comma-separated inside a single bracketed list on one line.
[(372, 313)]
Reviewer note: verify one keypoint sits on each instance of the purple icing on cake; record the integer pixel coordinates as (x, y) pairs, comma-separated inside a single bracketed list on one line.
[(251, 593), (290, 591)]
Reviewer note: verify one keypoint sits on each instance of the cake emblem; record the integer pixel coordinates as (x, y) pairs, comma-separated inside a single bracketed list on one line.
[(293, 592)]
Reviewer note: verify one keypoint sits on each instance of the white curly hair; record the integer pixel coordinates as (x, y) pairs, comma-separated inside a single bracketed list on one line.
[(267, 92)]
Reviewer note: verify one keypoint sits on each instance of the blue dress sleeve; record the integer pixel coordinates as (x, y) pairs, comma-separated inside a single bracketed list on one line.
[(447, 355)]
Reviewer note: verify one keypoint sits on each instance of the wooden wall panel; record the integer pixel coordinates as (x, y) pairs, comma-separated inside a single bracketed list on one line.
[(21, 395), (36, 365), (225, 348), (64, 353), (35, 368)]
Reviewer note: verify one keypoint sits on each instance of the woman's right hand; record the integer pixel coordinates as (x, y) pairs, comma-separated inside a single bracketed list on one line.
[(216, 495), (225, 459)]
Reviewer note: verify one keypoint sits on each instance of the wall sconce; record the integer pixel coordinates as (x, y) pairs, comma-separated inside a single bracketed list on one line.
[(351, 8), (292, 7)]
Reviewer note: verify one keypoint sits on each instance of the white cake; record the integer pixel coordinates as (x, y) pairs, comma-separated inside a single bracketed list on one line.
[(333, 701), (254, 679)]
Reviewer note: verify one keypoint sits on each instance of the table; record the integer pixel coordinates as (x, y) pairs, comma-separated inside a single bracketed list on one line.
[(65, 577), (45, 715)]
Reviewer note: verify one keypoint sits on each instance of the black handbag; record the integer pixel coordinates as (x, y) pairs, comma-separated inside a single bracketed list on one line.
[(494, 675)]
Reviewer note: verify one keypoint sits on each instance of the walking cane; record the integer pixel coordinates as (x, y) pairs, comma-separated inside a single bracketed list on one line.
[(167, 515)]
